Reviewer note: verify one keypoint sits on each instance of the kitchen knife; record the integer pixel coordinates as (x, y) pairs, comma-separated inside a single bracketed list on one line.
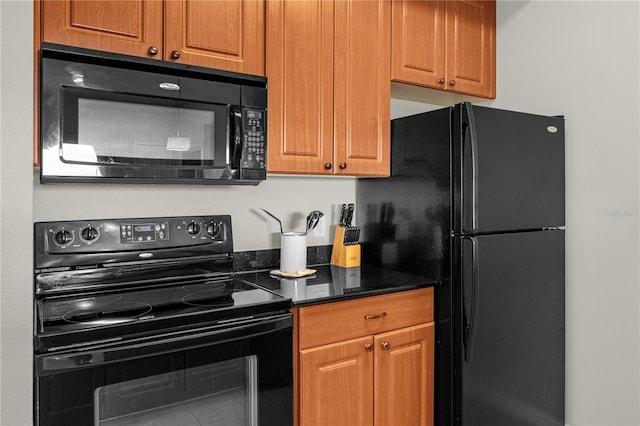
[(349, 217), (343, 213)]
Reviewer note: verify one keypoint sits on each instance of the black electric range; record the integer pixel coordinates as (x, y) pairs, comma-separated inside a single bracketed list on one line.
[(143, 321), (102, 280)]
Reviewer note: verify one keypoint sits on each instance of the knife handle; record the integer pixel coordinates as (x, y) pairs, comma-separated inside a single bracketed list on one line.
[(350, 208)]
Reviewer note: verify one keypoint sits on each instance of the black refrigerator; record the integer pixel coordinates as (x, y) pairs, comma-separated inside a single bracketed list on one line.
[(476, 200)]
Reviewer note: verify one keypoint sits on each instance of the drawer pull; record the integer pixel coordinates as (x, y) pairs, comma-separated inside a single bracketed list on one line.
[(382, 315)]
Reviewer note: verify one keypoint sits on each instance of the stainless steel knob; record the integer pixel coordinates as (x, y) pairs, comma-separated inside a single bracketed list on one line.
[(386, 345), (175, 54), (153, 51), (368, 347)]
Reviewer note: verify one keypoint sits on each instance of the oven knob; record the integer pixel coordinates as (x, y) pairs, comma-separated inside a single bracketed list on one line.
[(63, 237), (89, 233), (193, 228), (213, 229)]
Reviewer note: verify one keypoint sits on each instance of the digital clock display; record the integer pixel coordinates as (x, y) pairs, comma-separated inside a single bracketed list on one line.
[(143, 228), (254, 115)]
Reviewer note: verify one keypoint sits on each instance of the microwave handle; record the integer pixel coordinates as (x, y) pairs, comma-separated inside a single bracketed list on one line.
[(235, 127)]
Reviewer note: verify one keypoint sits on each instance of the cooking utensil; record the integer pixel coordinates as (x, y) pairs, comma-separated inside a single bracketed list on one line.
[(280, 222), (312, 220)]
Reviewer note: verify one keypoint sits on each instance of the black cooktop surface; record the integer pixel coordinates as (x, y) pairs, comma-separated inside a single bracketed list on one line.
[(81, 319), (144, 304)]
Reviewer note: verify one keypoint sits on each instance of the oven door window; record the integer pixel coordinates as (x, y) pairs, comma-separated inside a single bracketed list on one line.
[(109, 128), (225, 391)]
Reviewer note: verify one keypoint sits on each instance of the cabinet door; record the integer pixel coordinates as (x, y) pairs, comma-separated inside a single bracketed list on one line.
[(217, 34), (362, 89), (132, 27), (418, 42), (337, 384), (300, 72), (404, 372), (471, 47)]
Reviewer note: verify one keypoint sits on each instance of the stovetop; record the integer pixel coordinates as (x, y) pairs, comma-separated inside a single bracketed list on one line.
[(136, 305), (115, 280), (84, 320)]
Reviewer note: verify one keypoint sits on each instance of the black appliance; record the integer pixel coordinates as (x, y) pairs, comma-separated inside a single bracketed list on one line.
[(476, 200), (115, 118), (141, 321)]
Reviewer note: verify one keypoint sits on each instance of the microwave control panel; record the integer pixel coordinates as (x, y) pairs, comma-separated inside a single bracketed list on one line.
[(254, 153)]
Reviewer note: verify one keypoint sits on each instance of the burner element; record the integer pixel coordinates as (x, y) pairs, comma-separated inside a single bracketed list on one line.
[(213, 297), (108, 313)]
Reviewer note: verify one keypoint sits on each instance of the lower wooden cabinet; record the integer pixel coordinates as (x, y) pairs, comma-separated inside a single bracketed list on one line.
[(337, 384), (403, 376), (382, 377)]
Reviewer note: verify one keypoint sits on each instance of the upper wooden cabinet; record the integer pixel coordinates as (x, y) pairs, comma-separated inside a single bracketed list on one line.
[(329, 90), (218, 34), (448, 45)]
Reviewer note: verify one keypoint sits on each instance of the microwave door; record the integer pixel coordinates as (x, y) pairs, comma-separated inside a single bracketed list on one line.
[(150, 132)]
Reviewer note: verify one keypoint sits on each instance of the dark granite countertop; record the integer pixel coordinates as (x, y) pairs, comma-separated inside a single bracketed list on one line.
[(332, 283)]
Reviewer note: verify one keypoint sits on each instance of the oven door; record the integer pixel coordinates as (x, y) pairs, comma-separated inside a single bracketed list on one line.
[(236, 374)]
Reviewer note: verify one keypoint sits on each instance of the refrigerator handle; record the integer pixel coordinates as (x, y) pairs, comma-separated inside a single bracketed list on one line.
[(469, 331), (471, 122)]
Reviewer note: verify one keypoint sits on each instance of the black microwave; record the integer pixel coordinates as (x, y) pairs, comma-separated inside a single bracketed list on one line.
[(115, 118)]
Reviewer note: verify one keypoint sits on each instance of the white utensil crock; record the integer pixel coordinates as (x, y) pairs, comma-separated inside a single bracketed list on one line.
[(293, 252)]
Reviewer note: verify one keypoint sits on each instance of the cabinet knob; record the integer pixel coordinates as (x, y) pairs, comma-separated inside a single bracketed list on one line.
[(153, 50), (368, 347), (386, 345), (342, 166), (328, 166), (452, 83), (175, 54), (441, 80)]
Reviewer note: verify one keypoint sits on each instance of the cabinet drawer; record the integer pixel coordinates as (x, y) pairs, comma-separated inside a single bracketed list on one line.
[(334, 322)]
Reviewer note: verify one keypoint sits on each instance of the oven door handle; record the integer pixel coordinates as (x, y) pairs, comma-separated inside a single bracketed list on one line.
[(171, 342)]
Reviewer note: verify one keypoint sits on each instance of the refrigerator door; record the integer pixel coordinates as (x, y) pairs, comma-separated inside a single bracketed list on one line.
[(508, 346), (508, 170)]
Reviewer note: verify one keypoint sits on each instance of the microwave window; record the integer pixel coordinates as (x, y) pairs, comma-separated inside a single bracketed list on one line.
[(124, 130), (106, 128)]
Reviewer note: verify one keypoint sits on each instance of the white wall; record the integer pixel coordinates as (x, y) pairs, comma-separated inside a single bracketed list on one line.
[(580, 59), (16, 264), (574, 58)]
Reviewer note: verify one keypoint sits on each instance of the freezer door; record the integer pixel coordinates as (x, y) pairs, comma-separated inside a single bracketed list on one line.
[(508, 170), (508, 345)]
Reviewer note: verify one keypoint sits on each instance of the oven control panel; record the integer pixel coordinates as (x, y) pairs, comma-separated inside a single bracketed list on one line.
[(127, 235), (143, 232)]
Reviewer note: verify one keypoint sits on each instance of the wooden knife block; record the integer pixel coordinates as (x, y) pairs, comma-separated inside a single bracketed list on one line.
[(344, 256)]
